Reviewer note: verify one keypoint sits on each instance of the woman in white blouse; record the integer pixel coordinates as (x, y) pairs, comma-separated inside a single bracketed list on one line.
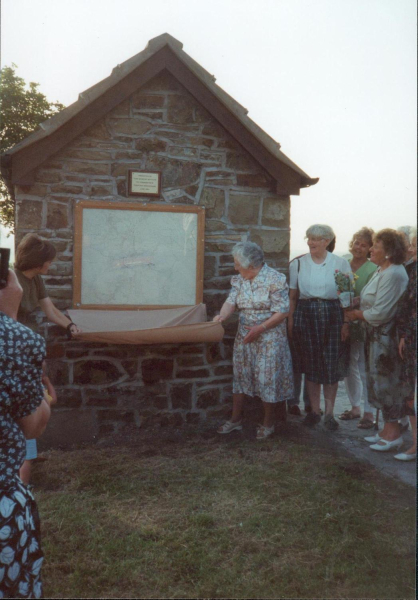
[(378, 306), (316, 322)]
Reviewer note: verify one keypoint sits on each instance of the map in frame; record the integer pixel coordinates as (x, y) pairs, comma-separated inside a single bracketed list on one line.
[(133, 256)]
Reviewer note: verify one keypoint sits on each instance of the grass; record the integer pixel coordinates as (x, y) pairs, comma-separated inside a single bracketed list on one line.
[(222, 519)]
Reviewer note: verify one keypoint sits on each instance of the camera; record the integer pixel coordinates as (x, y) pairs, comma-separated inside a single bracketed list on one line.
[(4, 266)]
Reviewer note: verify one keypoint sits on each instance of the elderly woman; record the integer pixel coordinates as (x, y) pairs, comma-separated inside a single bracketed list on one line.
[(316, 322), (23, 413), (406, 320), (378, 306), (262, 360), (34, 256), (355, 382)]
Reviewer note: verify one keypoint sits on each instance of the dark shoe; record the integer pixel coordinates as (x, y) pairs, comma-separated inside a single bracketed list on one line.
[(294, 410), (330, 423), (311, 419), (308, 409)]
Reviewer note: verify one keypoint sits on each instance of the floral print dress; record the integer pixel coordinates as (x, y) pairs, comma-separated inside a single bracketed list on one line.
[(379, 302), (262, 368), (406, 320), (21, 392)]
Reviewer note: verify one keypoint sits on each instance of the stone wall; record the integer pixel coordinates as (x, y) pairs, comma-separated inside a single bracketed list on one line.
[(102, 388)]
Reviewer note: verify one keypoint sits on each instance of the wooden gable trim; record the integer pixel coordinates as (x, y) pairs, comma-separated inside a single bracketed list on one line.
[(288, 181), (29, 158), (25, 161)]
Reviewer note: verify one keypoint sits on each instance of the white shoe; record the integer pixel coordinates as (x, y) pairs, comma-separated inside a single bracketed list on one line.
[(387, 445), (372, 439), (229, 426), (264, 432), (405, 457)]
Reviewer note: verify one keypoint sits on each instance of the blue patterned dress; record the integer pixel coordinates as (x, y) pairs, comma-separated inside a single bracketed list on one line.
[(264, 367), (21, 392)]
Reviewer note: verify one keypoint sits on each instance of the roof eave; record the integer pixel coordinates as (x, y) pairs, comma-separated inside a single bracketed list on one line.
[(290, 178)]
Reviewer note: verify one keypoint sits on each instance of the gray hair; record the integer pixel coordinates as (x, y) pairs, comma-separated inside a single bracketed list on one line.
[(248, 254), (409, 232), (320, 231)]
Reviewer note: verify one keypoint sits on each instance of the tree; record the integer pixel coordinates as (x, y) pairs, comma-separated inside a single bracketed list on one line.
[(22, 109)]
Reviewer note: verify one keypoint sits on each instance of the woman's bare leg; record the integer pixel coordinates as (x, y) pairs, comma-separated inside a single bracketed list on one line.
[(314, 391), (330, 393), (25, 472), (413, 421), (237, 404), (269, 413), (390, 432)]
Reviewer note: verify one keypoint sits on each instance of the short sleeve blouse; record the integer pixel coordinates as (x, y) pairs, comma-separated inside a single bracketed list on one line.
[(267, 291), (317, 281), (33, 291)]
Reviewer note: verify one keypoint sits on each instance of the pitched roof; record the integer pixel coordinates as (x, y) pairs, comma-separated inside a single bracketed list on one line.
[(162, 52)]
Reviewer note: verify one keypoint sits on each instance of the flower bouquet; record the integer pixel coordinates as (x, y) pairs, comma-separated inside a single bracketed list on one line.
[(345, 288)]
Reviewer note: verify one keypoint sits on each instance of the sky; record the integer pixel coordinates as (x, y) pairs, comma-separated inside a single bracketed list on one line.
[(333, 81)]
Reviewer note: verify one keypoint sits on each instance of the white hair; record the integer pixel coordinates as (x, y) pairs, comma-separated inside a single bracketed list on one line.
[(409, 231), (320, 231), (248, 254)]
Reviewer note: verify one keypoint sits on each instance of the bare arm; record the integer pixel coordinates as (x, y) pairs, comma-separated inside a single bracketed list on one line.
[(226, 311), (10, 296), (56, 316), (354, 315), (34, 424), (401, 347), (293, 298), (257, 330)]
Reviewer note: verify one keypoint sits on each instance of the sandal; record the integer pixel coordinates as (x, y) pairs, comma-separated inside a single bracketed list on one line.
[(348, 416), (264, 432), (365, 424), (229, 426)]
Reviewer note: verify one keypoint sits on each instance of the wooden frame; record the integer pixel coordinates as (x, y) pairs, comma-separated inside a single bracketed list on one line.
[(154, 207), (131, 186)]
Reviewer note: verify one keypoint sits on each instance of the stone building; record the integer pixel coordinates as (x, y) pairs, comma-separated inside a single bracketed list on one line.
[(159, 111)]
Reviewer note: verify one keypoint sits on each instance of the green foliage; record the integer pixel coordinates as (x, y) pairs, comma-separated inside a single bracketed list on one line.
[(23, 107)]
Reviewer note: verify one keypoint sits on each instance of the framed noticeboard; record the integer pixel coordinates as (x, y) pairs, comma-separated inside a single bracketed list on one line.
[(144, 183), (129, 256)]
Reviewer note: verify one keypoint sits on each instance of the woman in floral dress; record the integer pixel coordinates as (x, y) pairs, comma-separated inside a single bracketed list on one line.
[(262, 360), (23, 413)]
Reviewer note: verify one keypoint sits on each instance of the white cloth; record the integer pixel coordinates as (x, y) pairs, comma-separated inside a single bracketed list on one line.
[(317, 281), (356, 383), (379, 297)]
